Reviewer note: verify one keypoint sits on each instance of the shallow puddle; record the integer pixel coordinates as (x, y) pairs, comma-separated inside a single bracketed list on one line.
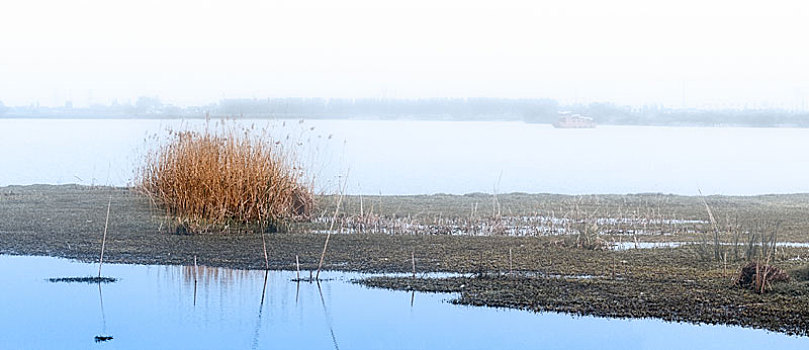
[(162, 307), (646, 245), (654, 245)]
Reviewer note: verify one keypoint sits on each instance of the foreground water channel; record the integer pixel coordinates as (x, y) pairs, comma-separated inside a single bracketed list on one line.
[(162, 307)]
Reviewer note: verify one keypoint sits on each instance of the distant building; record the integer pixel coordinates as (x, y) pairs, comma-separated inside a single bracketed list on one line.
[(573, 121)]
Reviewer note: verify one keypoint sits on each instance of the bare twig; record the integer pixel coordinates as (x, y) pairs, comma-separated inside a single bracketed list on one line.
[(510, 263), (266, 258), (413, 260), (298, 267), (331, 227), (104, 239)]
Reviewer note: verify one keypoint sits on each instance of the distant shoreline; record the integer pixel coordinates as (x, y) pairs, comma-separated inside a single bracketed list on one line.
[(531, 110), (366, 118)]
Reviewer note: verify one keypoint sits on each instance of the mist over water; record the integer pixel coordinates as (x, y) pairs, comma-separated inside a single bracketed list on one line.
[(424, 157)]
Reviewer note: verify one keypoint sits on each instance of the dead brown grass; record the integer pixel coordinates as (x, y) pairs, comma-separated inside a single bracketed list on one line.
[(760, 276), (225, 177)]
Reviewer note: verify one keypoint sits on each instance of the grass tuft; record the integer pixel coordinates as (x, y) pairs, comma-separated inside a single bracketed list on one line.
[(759, 276), (226, 177)]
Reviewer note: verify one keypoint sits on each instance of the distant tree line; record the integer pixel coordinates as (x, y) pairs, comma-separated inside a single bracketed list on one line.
[(466, 109), (530, 110), (437, 108)]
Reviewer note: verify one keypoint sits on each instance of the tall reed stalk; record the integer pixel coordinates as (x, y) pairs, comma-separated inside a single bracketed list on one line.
[(331, 227), (104, 238), (714, 226)]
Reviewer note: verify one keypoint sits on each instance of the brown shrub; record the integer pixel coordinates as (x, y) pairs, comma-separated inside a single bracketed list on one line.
[(212, 179)]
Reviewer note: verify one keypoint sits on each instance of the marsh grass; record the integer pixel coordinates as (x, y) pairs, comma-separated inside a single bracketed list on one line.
[(225, 177), (759, 276)]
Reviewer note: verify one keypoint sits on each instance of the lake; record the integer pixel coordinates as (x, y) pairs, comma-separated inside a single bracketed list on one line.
[(424, 157), (159, 307)]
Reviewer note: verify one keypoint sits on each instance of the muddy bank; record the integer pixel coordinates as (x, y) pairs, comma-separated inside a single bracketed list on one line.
[(702, 299), (534, 272), (68, 221)]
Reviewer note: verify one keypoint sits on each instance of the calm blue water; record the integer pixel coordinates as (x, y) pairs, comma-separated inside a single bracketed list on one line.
[(422, 157), (155, 307)]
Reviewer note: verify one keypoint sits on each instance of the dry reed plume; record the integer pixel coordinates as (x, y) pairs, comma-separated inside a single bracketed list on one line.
[(228, 177)]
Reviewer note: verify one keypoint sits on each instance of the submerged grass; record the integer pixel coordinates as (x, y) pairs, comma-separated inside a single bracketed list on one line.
[(82, 280), (226, 177)]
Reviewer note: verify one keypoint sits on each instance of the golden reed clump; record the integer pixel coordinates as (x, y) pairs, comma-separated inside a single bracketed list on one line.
[(230, 177)]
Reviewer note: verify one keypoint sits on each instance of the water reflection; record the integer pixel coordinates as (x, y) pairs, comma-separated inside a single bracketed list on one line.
[(208, 276), (104, 335), (260, 309), (154, 307), (328, 317)]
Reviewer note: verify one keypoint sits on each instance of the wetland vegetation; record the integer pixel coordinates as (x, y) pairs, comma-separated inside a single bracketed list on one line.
[(539, 252)]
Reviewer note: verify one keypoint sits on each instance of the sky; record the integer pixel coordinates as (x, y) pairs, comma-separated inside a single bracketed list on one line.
[(689, 53)]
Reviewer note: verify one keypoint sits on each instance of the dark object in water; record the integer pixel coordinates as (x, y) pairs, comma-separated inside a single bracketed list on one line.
[(310, 279), (102, 338), (748, 279), (83, 279)]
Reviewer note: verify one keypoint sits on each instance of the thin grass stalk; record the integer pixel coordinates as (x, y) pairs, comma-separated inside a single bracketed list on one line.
[(297, 268), (510, 263), (104, 238), (266, 258), (331, 227), (413, 260), (713, 224), (195, 269)]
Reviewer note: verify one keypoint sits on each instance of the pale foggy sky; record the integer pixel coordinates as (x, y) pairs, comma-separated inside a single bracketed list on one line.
[(707, 54)]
